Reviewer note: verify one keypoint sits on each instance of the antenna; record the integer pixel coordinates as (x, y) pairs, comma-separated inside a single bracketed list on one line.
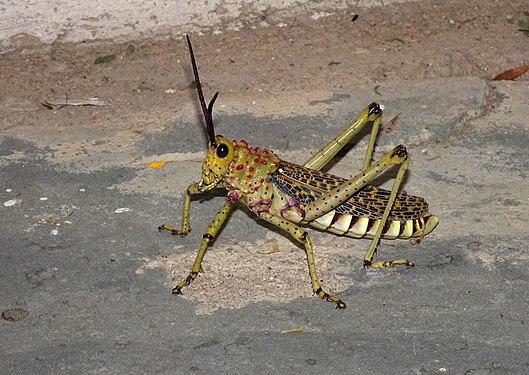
[(206, 110)]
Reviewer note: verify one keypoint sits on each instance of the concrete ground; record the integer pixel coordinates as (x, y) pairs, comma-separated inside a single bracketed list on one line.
[(76, 264), (86, 278)]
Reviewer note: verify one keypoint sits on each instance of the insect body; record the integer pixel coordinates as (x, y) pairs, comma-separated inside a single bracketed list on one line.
[(290, 196)]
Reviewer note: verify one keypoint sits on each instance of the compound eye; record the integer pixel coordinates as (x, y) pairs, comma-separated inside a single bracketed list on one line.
[(222, 150)]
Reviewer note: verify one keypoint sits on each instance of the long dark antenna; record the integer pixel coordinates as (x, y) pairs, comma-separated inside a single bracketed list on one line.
[(206, 110)]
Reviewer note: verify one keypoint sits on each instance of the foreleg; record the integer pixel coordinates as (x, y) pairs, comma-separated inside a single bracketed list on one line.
[(208, 236), (193, 189)]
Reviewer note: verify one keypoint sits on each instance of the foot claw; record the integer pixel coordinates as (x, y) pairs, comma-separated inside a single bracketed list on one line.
[(388, 263), (174, 232), (327, 297), (166, 227)]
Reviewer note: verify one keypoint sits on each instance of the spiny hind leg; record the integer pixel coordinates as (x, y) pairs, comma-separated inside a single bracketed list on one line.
[(208, 236), (333, 198), (337, 196), (423, 226), (303, 237), (371, 114), (368, 257)]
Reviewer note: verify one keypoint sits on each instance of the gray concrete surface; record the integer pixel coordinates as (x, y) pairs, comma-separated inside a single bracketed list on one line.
[(461, 310)]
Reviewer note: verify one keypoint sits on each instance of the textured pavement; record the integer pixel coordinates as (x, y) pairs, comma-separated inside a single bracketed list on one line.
[(76, 236)]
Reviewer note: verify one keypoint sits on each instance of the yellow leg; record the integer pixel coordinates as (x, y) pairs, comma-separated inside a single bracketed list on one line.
[(337, 196), (303, 237), (209, 234), (377, 114), (371, 114), (193, 189), (334, 198), (368, 258)]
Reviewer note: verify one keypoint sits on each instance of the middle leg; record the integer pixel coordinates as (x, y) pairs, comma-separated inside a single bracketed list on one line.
[(303, 237)]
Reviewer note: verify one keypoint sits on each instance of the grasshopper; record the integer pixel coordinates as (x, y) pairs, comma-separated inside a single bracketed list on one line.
[(288, 195)]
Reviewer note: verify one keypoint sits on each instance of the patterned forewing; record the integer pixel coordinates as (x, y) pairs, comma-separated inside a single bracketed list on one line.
[(306, 185)]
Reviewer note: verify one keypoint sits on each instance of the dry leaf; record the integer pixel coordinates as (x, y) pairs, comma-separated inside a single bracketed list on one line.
[(15, 315), (391, 123), (511, 74), (57, 103), (415, 241), (270, 249), (156, 164), (298, 329)]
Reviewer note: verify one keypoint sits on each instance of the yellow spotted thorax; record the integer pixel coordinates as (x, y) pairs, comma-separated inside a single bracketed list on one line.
[(250, 167)]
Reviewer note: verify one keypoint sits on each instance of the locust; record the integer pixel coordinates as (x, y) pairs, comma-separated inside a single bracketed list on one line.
[(291, 196)]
